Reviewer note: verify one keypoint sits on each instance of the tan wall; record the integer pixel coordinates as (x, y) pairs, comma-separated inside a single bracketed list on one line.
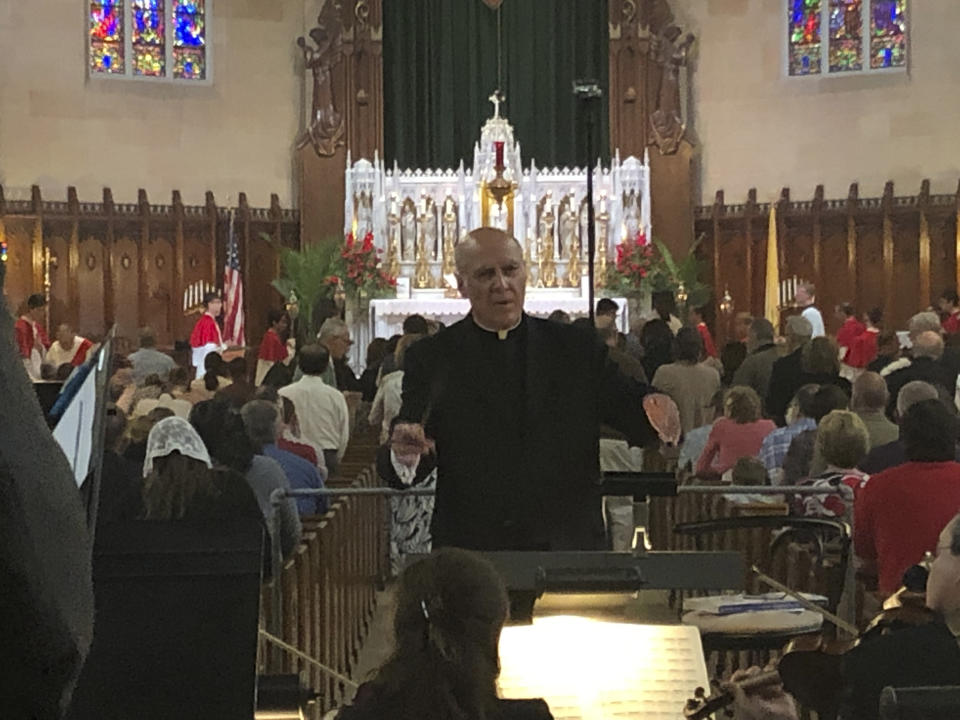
[(58, 128), (758, 128)]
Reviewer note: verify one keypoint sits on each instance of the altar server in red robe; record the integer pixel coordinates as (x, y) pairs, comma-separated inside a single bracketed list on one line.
[(32, 339), (206, 337), (68, 348), (273, 349), (696, 318), (850, 330)]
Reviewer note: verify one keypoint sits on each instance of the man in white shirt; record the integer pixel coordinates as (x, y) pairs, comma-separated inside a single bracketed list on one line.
[(806, 298), (148, 360), (321, 409)]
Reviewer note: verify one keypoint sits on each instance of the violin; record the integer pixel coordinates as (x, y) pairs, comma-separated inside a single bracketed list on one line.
[(810, 666)]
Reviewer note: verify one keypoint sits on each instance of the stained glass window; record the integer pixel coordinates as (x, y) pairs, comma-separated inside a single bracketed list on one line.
[(190, 39), (149, 54), (837, 36), (804, 36), (106, 37), (161, 39), (846, 36), (888, 34)]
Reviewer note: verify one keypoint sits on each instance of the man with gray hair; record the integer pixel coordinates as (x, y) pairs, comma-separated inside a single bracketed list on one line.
[(924, 365), (148, 360), (261, 421), (894, 453), (756, 369), (869, 402), (334, 335), (786, 376)]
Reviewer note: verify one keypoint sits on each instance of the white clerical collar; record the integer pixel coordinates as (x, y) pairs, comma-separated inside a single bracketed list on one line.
[(501, 334)]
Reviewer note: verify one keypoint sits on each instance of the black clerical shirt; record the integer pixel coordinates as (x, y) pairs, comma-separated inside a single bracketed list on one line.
[(516, 424)]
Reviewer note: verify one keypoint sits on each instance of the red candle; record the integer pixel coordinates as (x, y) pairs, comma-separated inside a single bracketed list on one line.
[(498, 146)]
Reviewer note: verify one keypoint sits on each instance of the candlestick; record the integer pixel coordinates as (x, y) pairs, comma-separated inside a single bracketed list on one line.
[(498, 149)]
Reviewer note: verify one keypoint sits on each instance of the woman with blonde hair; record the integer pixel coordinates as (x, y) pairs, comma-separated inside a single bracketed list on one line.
[(739, 433), (842, 442)]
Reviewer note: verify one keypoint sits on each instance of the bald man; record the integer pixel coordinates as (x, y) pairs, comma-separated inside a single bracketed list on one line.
[(924, 365), (514, 405)]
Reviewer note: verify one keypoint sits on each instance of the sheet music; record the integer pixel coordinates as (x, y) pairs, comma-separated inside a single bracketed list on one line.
[(594, 670)]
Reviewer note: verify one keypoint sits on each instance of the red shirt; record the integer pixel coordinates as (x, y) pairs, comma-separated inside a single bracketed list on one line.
[(272, 348), (952, 323), (899, 514), (849, 332), (300, 449), (729, 441), (80, 357), (864, 349), (205, 331), (708, 347), (24, 331)]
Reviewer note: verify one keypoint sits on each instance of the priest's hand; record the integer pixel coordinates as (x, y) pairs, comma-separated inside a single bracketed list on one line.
[(409, 441), (664, 416)]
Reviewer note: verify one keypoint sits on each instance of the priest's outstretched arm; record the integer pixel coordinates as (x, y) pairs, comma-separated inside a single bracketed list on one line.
[(636, 409)]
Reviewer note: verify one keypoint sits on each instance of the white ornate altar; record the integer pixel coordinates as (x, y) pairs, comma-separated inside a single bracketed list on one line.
[(386, 315), (418, 216)]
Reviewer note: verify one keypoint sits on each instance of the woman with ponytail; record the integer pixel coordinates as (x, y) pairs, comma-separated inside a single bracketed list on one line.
[(451, 607)]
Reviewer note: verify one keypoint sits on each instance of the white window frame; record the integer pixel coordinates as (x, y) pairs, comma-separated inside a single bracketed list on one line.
[(167, 78), (866, 14)]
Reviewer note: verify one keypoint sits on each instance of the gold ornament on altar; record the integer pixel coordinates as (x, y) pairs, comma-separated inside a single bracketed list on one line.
[(603, 230), (497, 193), (726, 303), (569, 242), (422, 278), (393, 239), (547, 276), (449, 236)]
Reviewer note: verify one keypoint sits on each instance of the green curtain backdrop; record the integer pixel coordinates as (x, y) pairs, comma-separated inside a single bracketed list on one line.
[(440, 66)]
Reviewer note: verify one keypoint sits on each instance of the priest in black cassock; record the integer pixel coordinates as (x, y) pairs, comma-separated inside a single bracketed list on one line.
[(513, 405)]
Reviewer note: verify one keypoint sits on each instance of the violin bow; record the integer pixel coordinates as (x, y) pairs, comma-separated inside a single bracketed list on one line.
[(836, 620)]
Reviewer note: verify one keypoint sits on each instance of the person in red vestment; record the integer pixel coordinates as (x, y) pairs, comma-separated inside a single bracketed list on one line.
[(696, 317), (863, 351), (950, 311), (32, 339), (850, 330), (273, 348), (206, 336)]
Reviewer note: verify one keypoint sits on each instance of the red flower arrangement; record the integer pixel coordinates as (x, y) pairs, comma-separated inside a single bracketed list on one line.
[(359, 268), (635, 259)]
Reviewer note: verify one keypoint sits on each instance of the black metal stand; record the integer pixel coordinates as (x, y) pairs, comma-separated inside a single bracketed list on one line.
[(588, 93)]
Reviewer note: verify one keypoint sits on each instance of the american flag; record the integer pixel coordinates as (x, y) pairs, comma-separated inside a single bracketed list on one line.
[(233, 333)]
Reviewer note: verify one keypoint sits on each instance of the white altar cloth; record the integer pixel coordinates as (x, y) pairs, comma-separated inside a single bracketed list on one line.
[(386, 315)]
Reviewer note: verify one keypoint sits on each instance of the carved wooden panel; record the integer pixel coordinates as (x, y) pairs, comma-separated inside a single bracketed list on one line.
[(61, 310), (161, 301), (125, 258), (817, 234), (833, 285), (90, 281), (19, 282)]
